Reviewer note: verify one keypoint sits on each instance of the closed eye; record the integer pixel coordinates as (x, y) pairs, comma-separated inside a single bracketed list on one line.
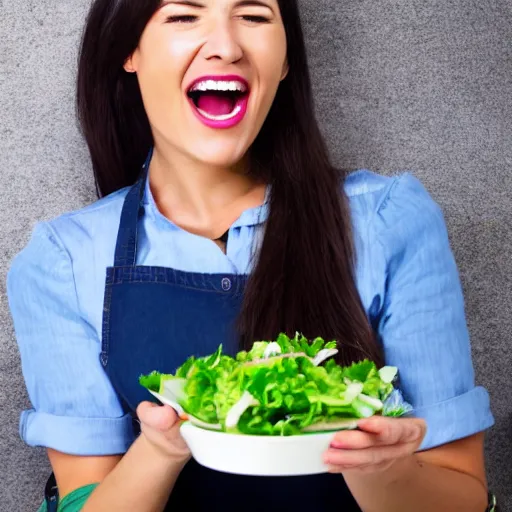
[(255, 19), (182, 19)]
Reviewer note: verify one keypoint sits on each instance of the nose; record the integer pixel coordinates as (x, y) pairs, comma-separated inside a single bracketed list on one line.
[(222, 43)]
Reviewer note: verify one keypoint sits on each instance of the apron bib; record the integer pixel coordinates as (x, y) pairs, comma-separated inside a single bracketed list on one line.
[(154, 318)]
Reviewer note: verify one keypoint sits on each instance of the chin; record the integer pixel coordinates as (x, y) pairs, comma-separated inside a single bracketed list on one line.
[(220, 160), (218, 154)]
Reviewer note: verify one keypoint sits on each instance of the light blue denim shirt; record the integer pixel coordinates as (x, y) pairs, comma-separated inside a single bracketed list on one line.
[(406, 276)]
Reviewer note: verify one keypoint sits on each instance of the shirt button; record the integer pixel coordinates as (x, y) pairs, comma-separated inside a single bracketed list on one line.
[(226, 284)]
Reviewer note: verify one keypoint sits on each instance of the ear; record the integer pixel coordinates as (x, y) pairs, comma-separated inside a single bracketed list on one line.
[(286, 69), (131, 63)]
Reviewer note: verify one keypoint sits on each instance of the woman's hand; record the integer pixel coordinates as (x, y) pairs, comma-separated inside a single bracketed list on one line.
[(378, 444), (160, 426)]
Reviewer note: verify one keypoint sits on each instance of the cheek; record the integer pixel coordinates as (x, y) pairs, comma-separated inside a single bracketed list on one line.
[(269, 65), (162, 66), (270, 55)]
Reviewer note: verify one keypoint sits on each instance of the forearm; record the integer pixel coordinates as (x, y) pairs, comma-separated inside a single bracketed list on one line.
[(414, 485), (142, 481)]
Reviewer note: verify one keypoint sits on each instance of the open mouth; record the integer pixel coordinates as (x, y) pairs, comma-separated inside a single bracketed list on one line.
[(219, 101)]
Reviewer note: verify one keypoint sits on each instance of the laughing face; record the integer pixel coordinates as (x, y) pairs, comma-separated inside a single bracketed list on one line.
[(209, 71)]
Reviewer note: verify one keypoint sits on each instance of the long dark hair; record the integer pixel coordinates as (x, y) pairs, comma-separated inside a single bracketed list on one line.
[(304, 277)]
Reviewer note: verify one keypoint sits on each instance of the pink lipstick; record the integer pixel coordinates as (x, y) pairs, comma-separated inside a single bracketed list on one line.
[(219, 102)]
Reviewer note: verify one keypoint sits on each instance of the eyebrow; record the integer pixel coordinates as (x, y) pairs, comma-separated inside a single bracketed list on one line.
[(190, 3), (240, 3), (250, 3)]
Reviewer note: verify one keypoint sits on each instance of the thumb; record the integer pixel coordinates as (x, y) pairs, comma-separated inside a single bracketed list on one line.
[(159, 417)]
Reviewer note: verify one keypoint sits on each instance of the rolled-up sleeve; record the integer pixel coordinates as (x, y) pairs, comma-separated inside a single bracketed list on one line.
[(74, 407), (423, 325)]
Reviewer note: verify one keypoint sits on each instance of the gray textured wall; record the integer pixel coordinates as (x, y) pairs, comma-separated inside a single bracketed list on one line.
[(400, 84)]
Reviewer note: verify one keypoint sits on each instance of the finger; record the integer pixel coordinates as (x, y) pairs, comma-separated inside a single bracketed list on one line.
[(355, 440), (350, 459), (394, 430), (155, 416)]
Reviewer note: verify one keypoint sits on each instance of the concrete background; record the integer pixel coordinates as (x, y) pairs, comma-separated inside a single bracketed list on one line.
[(399, 84)]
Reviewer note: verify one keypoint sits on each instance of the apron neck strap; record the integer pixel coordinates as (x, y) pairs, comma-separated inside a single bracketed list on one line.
[(133, 210)]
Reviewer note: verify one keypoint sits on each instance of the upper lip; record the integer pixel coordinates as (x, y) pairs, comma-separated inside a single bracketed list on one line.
[(220, 78)]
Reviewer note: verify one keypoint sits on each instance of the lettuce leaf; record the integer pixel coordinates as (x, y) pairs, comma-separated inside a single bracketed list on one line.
[(151, 381)]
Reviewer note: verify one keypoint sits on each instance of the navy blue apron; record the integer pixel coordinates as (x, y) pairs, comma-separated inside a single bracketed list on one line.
[(154, 318)]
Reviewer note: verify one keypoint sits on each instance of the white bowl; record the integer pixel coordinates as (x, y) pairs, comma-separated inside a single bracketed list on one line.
[(258, 455)]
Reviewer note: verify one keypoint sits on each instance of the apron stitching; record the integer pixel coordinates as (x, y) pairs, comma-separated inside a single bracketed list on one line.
[(233, 291), (169, 276), (106, 324)]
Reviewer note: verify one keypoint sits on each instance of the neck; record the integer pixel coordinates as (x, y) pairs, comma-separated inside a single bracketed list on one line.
[(201, 198)]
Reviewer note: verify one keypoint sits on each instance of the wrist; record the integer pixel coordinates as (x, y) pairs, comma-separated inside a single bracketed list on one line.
[(400, 470), (163, 458)]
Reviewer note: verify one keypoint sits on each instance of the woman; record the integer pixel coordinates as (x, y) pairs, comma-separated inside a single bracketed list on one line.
[(235, 228)]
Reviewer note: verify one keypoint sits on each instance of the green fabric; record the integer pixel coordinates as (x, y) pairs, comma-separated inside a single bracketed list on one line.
[(493, 504), (73, 502)]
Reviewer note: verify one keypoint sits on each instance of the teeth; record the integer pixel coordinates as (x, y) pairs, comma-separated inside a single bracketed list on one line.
[(219, 85), (225, 117)]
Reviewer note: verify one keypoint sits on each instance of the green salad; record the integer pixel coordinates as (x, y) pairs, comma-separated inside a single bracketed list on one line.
[(286, 387)]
